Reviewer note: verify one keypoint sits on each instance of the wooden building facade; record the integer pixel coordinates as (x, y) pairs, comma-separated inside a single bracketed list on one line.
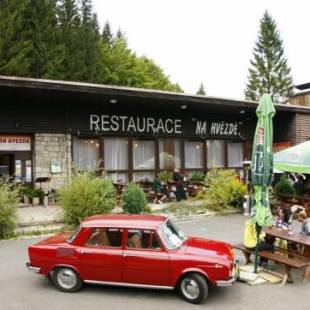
[(48, 128)]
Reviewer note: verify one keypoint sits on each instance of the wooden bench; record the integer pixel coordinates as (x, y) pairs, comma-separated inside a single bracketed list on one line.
[(292, 261)]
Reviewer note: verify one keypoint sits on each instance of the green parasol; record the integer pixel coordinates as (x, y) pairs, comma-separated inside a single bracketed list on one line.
[(262, 166), (294, 159)]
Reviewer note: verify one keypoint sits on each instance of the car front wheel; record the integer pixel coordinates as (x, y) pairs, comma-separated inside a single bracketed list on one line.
[(66, 279), (193, 288)]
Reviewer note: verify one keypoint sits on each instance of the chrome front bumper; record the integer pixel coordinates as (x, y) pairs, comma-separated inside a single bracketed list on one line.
[(226, 282), (33, 269), (233, 279)]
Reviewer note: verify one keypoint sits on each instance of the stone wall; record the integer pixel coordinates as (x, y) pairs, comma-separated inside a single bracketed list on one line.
[(48, 147)]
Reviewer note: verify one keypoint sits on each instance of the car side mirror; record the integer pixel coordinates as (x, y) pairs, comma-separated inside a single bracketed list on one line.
[(181, 234)]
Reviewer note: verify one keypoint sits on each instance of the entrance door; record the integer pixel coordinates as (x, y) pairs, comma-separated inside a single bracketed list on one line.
[(6, 165)]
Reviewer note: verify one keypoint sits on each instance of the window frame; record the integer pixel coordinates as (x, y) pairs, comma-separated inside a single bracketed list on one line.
[(91, 230), (126, 247)]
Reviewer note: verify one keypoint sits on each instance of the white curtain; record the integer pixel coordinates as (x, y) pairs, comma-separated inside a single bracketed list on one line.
[(216, 153), (85, 154), (115, 153), (118, 177), (143, 154), (166, 160), (235, 154), (193, 155), (143, 176)]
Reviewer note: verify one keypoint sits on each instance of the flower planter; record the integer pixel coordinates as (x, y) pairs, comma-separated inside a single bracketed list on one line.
[(35, 201), (26, 200)]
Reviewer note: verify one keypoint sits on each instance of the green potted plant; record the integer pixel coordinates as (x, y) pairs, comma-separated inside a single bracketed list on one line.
[(197, 177), (166, 176), (284, 189), (37, 197), (26, 193)]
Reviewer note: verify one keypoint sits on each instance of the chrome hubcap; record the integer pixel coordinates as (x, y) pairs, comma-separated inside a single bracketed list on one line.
[(190, 288), (66, 278)]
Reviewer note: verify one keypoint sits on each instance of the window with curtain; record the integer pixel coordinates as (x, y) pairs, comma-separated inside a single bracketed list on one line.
[(115, 153), (235, 154), (193, 155), (143, 176), (143, 155), (85, 154), (169, 154), (215, 153), (118, 177)]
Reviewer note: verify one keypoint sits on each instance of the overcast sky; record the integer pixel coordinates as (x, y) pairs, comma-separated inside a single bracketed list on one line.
[(209, 41)]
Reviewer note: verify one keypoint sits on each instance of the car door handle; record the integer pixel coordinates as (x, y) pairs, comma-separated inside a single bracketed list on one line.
[(83, 251), (128, 255)]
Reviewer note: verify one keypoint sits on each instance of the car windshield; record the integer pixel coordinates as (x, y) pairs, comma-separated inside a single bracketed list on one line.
[(171, 236), (73, 236)]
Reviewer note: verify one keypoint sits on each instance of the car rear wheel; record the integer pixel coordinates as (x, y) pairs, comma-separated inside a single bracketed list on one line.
[(193, 288), (66, 279)]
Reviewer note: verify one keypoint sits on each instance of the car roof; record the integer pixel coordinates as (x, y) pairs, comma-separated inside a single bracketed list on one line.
[(125, 221)]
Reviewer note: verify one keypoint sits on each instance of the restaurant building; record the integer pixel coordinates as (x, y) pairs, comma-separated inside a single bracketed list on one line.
[(51, 128)]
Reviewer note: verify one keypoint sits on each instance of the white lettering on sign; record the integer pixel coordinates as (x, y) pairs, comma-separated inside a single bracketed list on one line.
[(15, 143), (217, 128), (201, 128), (224, 129), (108, 123)]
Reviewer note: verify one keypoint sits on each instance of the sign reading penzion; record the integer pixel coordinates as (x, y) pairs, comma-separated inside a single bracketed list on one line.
[(116, 123)]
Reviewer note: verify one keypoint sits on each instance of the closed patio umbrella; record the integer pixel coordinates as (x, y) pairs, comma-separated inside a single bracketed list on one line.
[(262, 166)]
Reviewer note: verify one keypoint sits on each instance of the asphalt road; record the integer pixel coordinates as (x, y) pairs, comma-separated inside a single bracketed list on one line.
[(20, 289)]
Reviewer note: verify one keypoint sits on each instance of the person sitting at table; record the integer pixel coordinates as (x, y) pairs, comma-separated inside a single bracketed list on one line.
[(159, 197), (283, 219), (304, 218), (266, 243)]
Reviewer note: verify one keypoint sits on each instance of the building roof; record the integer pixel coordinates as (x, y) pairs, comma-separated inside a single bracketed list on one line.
[(303, 86), (128, 95), (125, 221)]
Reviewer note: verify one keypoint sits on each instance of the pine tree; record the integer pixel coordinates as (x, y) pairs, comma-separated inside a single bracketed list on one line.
[(201, 91), (28, 44), (69, 21), (107, 35), (269, 71), (47, 52), (89, 44), (15, 41)]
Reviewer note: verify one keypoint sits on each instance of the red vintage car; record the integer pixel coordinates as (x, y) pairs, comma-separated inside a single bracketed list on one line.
[(144, 251)]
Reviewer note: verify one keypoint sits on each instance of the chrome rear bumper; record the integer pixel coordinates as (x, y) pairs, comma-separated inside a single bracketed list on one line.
[(33, 269)]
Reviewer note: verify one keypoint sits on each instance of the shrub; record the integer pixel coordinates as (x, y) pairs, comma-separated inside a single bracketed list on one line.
[(224, 188), (86, 195), (38, 192), (197, 176), (9, 197), (166, 176), (133, 199), (284, 187)]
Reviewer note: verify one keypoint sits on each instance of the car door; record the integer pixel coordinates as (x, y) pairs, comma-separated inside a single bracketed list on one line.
[(101, 255), (145, 261)]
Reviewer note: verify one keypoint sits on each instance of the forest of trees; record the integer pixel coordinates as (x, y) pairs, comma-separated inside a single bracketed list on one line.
[(61, 39)]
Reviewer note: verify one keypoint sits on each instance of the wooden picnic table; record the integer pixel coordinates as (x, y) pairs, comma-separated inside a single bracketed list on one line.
[(286, 235), (295, 238)]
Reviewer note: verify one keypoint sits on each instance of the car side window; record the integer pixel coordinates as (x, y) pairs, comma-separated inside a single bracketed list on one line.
[(142, 239), (105, 237)]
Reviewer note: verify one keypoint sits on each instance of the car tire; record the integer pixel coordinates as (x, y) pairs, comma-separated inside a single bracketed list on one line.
[(193, 288), (66, 279)]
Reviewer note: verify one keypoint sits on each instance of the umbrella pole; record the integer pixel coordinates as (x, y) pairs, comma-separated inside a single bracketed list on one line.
[(258, 231)]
